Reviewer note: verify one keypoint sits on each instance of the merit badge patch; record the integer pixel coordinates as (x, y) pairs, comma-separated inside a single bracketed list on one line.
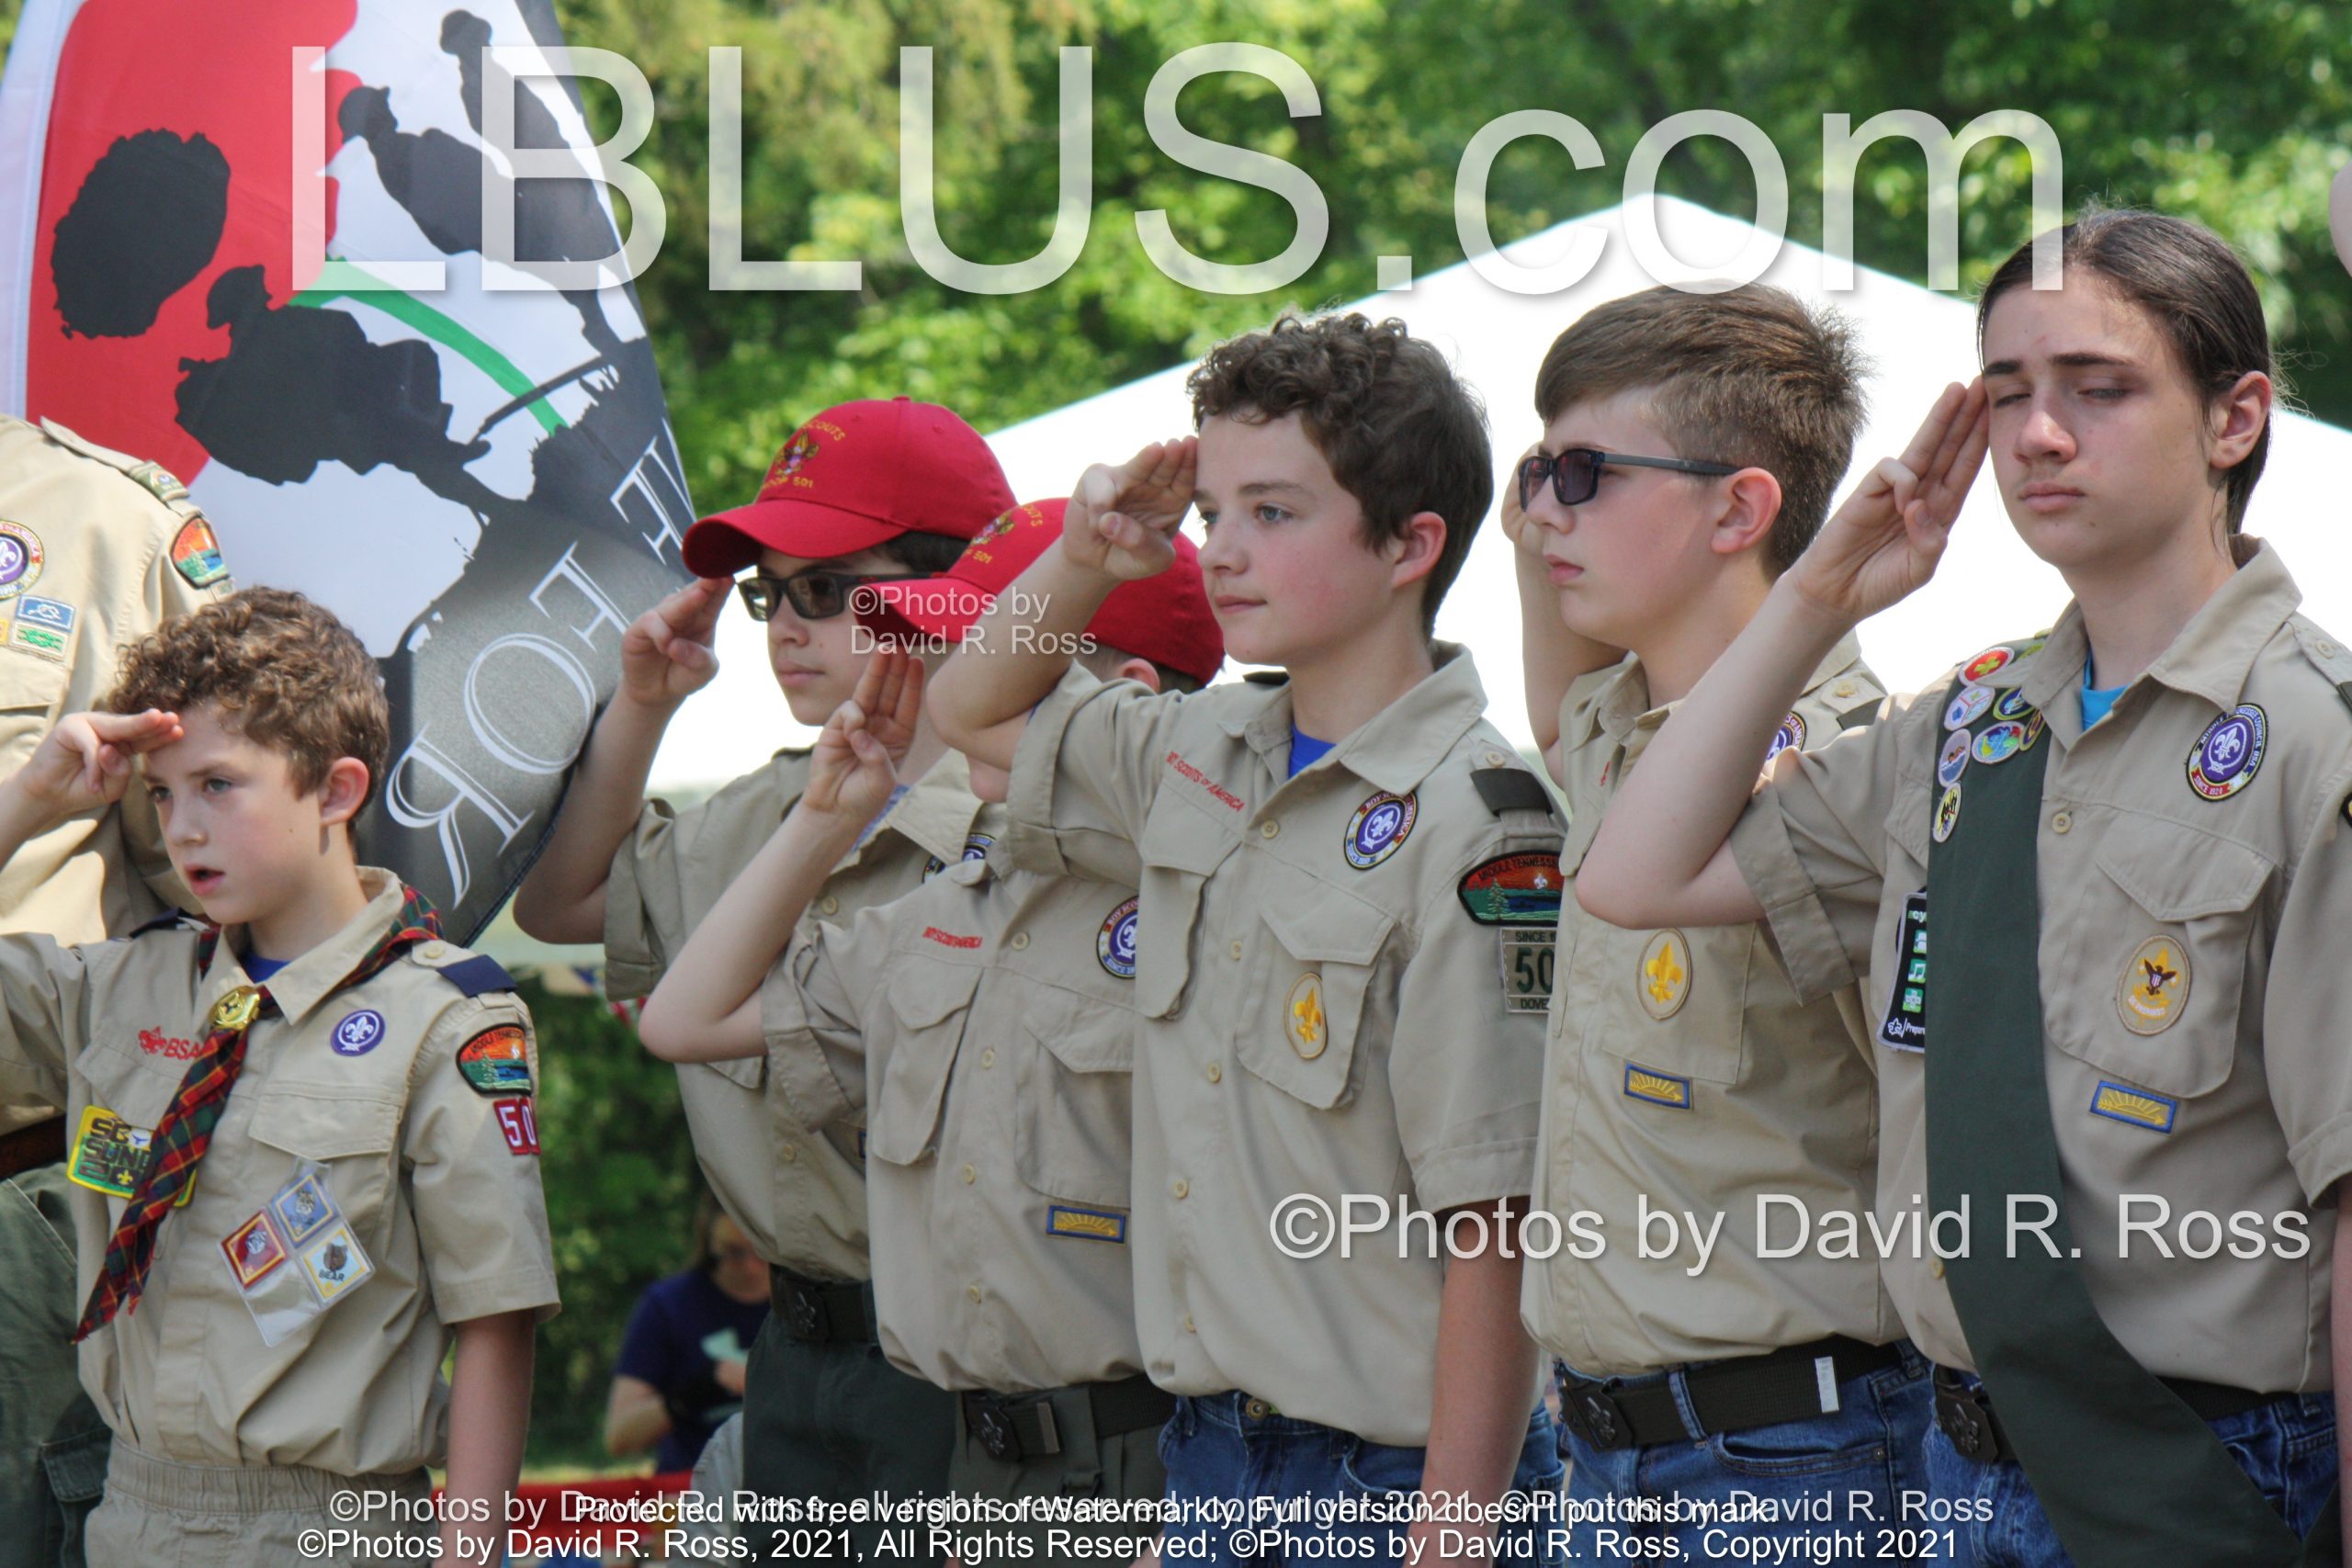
[(196, 553), (1987, 664), (253, 1250), (1379, 826), (2013, 704), (1087, 1225), (1303, 1018), (520, 1128), (2153, 985), (1659, 1089), (335, 1263), (1662, 980), (1115, 944), (1967, 707), (2229, 753), (497, 1062), (2139, 1107), (303, 1208), (1952, 760), (1905, 1026), (109, 1154), (1791, 733), (1947, 813), (359, 1032), (19, 559), (1520, 889), (1999, 742)]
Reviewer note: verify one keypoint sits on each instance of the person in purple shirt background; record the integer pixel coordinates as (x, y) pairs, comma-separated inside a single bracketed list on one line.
[(679, 1371)]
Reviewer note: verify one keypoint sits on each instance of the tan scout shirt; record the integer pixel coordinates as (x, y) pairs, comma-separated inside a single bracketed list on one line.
[(2216, 1082), (1320, 1015), (984, 1026), (104, 527), (439, 1181), (1684, 1073), (800, 1198)]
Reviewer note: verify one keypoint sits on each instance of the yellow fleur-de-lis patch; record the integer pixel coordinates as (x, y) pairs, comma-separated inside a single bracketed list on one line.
[(1663, 982), (1304, 1020)]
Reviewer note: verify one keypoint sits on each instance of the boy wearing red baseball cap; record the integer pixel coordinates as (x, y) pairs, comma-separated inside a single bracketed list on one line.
[(982, 1027), (866, 492)]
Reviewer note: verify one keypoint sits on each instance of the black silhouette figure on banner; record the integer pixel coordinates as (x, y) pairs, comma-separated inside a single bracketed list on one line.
[(142, 226)]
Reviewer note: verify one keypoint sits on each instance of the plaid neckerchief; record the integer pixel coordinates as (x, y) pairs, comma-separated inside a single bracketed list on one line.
[(185, 1131)]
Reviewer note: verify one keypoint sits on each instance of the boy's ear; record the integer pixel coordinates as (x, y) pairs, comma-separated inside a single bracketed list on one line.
[(1751, 504), (1415, 553), (2238, 417), (1142, 669), (344, 787)]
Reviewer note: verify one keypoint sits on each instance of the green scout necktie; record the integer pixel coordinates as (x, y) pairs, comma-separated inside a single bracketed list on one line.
[(2127, 1472)]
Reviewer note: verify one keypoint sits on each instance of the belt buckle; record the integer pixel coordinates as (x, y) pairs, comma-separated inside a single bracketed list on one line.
[(994, 1428), (1966, 1421), (1594, 1412), (802, 1315)]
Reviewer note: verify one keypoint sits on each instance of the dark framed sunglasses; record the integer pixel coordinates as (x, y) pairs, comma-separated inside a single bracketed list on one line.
[(1575, 473), (815, 594)]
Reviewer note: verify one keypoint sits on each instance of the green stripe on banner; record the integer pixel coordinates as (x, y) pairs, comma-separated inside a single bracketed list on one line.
[(341, 279)]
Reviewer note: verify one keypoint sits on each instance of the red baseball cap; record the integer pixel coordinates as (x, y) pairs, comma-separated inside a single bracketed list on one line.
[(1164, 618), (856, 476)]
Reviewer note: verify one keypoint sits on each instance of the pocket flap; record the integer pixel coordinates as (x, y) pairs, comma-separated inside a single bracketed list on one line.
[(1177, 838), (1336, 930), (2214, 876), (1084, 1035), (923, 993), (325, 1124), (27, 682)]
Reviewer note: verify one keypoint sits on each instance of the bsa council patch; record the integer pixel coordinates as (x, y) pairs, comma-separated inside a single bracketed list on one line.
[(1379, 826), (1115, 944), (1520, 889), (1791, 733), (497, 1062), (2227, 756), (196, 553), (19, 559)]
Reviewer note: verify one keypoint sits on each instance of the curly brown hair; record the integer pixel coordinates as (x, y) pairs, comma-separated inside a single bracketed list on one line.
[(1402, 433), (279, 670)]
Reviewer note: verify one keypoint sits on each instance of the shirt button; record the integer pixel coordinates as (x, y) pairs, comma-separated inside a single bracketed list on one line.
[(1936, 1268), (988, 1057), (972, 1292), (432, 951), (1188, 1324), (1494, 759), (789, 1153), (1236, 950), (2059, 821), (970, 1176), (829, 905), (2325, 650), (1020, 941), (1180, 1187), (1217, 1074), (1268, 829)]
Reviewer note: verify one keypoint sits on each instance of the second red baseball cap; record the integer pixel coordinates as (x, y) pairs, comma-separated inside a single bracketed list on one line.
[(856, 476), (1164, 618)]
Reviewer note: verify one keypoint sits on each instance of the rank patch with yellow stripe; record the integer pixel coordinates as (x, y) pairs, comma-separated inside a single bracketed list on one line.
[(1659, 1089), (1089, 1224), (2139, 1107)]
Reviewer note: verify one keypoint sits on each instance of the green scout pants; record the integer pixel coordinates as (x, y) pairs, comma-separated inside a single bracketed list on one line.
[(52, 1443), (1125, 1468), (836, 1421)]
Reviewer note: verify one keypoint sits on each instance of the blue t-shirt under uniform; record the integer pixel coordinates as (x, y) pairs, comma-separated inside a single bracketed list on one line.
[(1304, 749), (260, 970), (683, 1326), (2096, 700)]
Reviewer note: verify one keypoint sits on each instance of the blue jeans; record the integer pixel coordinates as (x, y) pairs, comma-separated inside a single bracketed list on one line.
[(1232, 1472), (1831, 1475), (2286, 1446)]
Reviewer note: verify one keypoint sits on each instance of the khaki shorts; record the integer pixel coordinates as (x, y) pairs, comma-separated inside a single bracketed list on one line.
[(160, 1514)]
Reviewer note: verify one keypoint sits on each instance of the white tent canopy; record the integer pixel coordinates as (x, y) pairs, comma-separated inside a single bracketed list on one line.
[(1989, 585)]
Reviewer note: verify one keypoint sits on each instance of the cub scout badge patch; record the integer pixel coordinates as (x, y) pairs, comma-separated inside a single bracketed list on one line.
[(1378, 827), (1662, 982), (1513, 890), (359, 1033), (1659, 1089), (497, 1062), (1303, 1018), (1791, 733), (302, 1209), (109, 1155), (1115, 944), (2229, 753), (42, 626), (1089, 1224), (336, 1262), (2153, 985), (1905, 1026), (1987, 664), (2139, 1107), (1968, 708), (19, 559), (253, 1250), (196, 553)]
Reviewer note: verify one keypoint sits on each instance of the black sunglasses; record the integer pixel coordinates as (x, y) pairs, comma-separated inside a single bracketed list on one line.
[(1575, 473), (816, 595)]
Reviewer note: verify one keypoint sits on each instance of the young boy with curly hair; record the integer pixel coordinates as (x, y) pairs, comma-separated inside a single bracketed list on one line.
[(302, 1130)]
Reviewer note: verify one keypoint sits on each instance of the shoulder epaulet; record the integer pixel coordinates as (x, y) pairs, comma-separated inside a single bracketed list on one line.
[(2334, 662), (474, 975), (1510, 789), (1267, 677), (169, 920), (1857, 718), (154, 477)]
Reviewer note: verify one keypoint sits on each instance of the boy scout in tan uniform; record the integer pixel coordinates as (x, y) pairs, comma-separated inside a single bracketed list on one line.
[(101, 550)]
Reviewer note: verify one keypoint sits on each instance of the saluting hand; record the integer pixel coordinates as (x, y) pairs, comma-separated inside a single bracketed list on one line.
[(666, 654), (85, 762), (1122, 520), (854, 766), (1884, 542)]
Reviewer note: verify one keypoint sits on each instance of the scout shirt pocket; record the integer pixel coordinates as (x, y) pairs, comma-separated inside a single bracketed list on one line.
[(1180, 848), (2154, 973), (1073, 1120), (933, 1002), (30, 688), (1667, 1004), (351, 1133), (1304, 1005)]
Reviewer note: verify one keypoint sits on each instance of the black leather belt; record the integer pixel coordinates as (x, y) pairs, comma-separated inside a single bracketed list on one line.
[(1964, 1414), (821, 1312), (1012, 1426), (1727, 1396), (43, 1143)]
